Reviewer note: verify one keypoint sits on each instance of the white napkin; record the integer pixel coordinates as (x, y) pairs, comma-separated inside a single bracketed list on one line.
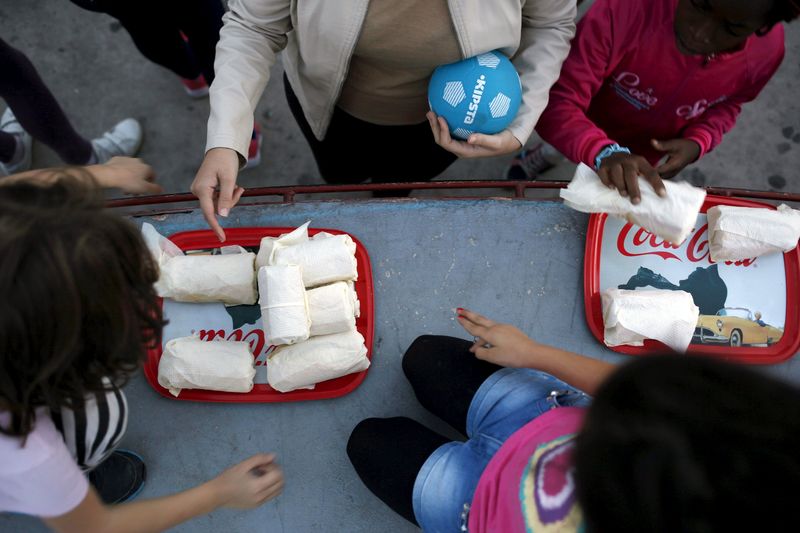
[(333, 308), (736, 233), (284, 308), (228, 278), (672, 217), (317, 359), (632, 316), (190, 363), (325, 258)]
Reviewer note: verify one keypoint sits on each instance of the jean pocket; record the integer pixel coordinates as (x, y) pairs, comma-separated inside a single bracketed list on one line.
[(568, 398)]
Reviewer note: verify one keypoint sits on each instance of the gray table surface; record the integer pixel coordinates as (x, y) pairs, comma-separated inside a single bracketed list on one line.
[(515, 261)]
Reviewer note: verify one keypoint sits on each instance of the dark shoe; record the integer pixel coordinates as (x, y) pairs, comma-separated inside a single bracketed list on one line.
[(119, 478)]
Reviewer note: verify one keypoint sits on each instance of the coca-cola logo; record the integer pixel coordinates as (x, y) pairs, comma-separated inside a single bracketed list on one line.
[(255, 337), (634, 241)]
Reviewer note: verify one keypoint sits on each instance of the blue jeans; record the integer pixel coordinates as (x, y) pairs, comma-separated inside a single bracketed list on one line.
[(504, 403)]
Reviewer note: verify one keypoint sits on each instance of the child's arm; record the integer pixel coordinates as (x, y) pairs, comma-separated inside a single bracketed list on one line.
[(132, 175), (244, 486), (564, 123), (512, 348), (707, 131)]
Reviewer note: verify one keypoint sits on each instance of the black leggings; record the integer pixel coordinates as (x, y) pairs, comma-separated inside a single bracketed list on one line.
[(36, 110), (354, 151), (156, 26), (387, 453)]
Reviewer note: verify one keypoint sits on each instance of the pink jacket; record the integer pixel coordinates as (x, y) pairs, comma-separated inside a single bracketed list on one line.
[(626, 82)]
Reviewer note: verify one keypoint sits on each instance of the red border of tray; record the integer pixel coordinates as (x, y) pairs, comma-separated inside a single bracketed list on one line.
[(263, 393), (781, 351)]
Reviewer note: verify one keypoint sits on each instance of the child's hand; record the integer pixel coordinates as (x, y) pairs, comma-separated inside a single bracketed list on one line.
[(130, 174), (249, 484), (501, 344), (681, 152), (478, 145), (622, 171)]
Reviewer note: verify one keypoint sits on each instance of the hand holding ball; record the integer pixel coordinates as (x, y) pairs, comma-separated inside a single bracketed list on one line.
[(481, 94)]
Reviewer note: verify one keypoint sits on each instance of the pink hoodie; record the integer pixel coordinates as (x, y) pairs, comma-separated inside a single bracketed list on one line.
[(626, 82)]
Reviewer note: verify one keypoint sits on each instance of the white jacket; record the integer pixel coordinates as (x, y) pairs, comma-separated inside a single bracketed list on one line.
[(318, 38)]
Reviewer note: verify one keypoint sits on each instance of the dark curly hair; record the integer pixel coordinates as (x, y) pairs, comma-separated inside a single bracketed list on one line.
[(674, 443), (783, 11), (78, 303)]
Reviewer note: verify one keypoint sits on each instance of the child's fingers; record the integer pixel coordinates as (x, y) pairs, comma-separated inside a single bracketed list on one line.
[(631, 174), (605, 178), (654, 179), (476, 318), (618, 179), (472, 328)]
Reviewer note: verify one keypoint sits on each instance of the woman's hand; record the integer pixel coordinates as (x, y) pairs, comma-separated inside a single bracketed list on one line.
[(478, 145), (249, 484), (215, 186), (501, 344)]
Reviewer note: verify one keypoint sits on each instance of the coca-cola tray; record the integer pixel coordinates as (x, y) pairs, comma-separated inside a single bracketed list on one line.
[(748, 309), (243, 323)]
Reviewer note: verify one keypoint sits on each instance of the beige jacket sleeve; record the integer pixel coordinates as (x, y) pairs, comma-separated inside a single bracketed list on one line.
[(547, 29), (253, 34)]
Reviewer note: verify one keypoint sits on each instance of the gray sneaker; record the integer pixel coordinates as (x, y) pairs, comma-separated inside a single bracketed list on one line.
[(21, 163), (123, 139)]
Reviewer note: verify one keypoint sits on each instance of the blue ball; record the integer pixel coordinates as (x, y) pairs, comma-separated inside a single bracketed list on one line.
[(477, 95)]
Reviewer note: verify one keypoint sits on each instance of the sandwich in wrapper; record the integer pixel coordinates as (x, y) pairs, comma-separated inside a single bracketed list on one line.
[(738, 233), (306, 363), (324, 258), (284, 305), (672, 217), (191, 363), (229, 278)]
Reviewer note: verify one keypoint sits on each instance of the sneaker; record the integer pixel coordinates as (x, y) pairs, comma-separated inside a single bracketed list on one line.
[(123, 139), (528, 165), (196, 88), (254, 150), (22, 158), (120, 478)]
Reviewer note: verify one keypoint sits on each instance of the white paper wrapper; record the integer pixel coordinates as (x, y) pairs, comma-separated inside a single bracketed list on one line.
[(317, 359), (324, 258), (284, 308), (736, 233), (228, 278), (630, 317), (268, 244), (190, 363), (333, 308), (672, 218)]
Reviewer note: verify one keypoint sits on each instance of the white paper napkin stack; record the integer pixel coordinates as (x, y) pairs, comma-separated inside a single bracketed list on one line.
[(737, 233), (630, 317), (672, 217)]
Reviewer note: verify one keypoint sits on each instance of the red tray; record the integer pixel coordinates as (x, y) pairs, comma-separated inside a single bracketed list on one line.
[(692, 250), (251, 238)]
